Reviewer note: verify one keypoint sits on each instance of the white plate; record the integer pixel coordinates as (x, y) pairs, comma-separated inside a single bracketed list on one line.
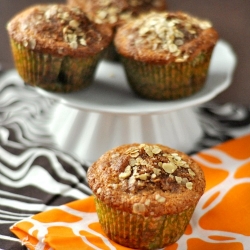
[(110, 92)]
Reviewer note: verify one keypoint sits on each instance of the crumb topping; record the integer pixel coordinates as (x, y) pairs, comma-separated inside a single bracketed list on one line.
[(58, 23), (148, 165), (167, 32)]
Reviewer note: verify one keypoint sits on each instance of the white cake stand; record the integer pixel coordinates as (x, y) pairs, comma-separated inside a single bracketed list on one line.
[(107, 114)]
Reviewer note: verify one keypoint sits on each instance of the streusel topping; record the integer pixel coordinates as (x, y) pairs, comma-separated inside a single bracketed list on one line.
[(167, 32), (69, 27), (150, 166)]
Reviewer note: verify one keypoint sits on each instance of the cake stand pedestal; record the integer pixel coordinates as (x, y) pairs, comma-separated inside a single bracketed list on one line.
[(107, 114)]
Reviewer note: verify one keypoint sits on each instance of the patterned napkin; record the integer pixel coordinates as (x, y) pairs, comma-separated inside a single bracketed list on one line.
[(221, 220)]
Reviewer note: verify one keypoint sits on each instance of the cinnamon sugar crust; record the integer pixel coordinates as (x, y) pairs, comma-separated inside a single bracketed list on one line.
[(59, 30), (165, 37), (147, 179)]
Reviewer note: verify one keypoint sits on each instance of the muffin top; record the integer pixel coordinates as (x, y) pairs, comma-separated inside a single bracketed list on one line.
[(165, 37), (146, 179), (59, 29), (116, 12)]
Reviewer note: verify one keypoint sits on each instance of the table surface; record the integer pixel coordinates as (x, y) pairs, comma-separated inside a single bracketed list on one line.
[(34, 176)]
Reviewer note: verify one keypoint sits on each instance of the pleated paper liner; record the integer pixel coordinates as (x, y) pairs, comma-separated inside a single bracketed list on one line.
[(52, 72), (140, 232), (167, 81)]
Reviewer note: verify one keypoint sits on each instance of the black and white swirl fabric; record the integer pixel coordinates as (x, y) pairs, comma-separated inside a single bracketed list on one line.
[(222, 122), (35, 176)]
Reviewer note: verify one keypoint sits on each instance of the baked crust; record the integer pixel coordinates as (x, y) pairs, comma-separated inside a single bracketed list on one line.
[(148, 187), (165, 37), (59, 30)]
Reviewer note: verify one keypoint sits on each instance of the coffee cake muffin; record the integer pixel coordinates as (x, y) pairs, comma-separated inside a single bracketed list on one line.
[(56, 47), (166, 55), (145, 194)]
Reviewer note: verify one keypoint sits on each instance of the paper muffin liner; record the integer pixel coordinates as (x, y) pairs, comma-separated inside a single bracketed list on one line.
[(140, 232), (167, 81), (54, 72)]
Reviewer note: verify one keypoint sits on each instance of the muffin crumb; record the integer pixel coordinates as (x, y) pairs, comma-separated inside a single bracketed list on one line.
[(138, 208)]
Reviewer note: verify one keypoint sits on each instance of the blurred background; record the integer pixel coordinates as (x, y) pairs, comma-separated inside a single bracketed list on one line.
[(231, 18)]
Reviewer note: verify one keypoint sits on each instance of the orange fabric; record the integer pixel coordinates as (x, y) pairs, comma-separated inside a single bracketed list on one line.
[(230, 205), (220, 221)]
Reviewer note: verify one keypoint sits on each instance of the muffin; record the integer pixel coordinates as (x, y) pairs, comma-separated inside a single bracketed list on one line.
[(115, 13), (166, 55), (145, 194), (56, 47)]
